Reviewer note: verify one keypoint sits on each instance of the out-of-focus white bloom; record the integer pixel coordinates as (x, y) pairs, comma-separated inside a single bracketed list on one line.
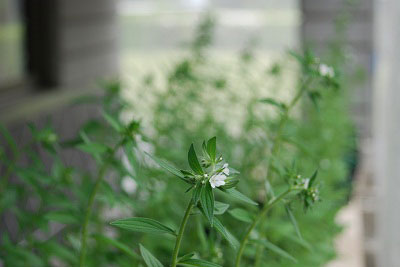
[(129, 185), (225, 169), (306, 182), (326, 71), (217, 180)]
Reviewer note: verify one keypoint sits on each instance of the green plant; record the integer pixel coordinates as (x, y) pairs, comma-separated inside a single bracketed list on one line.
[(273, 121)]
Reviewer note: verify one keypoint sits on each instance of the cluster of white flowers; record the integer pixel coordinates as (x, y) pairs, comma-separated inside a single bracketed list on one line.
[(326, 71), (219, 178)]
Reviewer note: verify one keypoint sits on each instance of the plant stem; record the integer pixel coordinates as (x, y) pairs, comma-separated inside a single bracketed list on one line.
[(88, 212), (277, 141), (255, 222), (180, 234)]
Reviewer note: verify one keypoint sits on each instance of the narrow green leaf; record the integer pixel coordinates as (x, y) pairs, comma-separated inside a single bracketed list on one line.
[(61, 217), (193, 161), (313, 178), (112, 121), (212, 147), (237, 195), (207, 202), (226, 234), (276, 249), (118, 245), (273, 102), (196, 192), (9, 139), (148, 258), (293, 221), (93, 148), (143, 225), (167, 166), (241, 215), (220, 208), (198, 262), (187, 256)]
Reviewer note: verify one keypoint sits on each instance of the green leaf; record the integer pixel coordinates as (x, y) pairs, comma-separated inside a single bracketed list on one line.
[(112, 121), (237, 195), (207, 202), (149, 259), (241, 215), (167, 166), (143, 225), (93, 148), (273, 102), (187, 256), (118, 245), (193, 161), (226, 234), (212, 147), (198, 262), (220, 208), (9, 139), (196, 192), (313, 178), (276, 249), (62, 217), (293, 221)]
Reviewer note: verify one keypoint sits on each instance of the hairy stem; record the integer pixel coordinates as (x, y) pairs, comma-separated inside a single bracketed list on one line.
[(260, 216), (180, 234)]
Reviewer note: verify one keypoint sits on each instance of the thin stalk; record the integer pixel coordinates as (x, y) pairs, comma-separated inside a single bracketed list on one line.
[(89, 208), (88, 212), (255, 222), (178, 241)]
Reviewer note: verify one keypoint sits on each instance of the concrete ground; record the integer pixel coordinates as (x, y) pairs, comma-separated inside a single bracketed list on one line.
[(349, 243)]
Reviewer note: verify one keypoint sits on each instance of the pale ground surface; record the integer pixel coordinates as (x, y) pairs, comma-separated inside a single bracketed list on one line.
[(349, 242)]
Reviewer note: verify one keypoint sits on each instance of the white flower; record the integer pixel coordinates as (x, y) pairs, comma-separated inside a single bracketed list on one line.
[(326, 71), (217, 180), (128, 185), (225, 169)]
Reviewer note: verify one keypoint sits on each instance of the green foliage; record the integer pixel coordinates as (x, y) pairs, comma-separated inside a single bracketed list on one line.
[(267, 213)]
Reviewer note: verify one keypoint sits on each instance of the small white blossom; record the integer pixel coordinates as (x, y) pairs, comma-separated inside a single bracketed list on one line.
[(306, 183), (129, 185), (217, 180), (225, 169), (326, 71)]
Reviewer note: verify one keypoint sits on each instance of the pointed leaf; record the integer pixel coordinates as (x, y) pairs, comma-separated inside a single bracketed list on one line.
[(112, 121), (198, 262), (187, 256), (143, 225), (220, 208), (313, 178), (241, 215), (212, 147), (93, 148), (118, 245), (236, 194), (196, 192), (293, 221), (9, 139), (167, 166), (148, 258), (226, 234), (276, 249), (193, 161), (207, 202), (273, 102)]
